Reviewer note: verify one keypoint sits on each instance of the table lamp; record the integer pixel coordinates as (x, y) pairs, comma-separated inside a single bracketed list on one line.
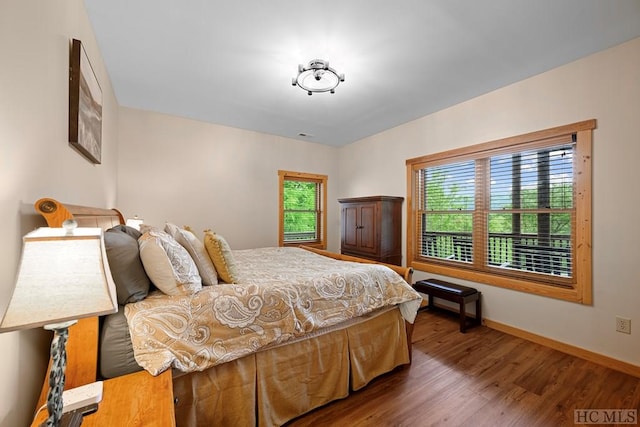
[(63, 276), (135, 222)]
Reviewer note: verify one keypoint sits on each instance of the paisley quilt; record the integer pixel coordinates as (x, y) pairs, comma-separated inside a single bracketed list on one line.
[(281, 294)]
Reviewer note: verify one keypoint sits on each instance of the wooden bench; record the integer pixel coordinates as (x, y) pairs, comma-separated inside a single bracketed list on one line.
[(462, 295)]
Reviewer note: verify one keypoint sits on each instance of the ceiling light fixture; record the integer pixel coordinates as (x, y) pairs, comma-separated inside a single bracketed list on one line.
[(317, 77)]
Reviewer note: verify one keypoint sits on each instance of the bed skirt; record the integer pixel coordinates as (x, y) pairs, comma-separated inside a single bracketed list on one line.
[(278, 384)]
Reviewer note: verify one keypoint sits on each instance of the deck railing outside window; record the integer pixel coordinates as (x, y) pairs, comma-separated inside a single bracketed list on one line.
[(300, 237), (508, 251)]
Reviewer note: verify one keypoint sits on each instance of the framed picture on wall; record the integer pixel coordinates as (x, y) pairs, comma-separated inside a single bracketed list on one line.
[(85, 105)]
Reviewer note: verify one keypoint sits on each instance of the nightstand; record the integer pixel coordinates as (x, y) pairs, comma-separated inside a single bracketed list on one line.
[(137, 399)]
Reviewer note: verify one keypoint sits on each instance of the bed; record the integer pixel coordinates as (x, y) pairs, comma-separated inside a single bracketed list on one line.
[(299, 328)]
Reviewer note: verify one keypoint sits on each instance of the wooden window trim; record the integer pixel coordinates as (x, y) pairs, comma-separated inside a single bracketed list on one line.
[(580, 290), (310, 177)]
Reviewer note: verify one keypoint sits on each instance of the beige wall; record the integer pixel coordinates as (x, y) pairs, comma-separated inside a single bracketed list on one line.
[(604, 86), (209, 176), (188, 172), (36, 161)]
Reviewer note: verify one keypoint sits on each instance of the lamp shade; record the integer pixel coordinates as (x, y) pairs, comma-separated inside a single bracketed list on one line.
[(135, 222), (63, 275)]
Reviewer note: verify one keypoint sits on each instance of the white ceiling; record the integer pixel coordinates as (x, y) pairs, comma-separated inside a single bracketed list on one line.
[(231, 62)]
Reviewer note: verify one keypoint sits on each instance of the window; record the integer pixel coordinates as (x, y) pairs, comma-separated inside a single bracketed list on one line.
[(514, 213), (303, 219)]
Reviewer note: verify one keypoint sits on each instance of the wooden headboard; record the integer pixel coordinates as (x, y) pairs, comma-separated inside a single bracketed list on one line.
[(82, 345), (56, 213)]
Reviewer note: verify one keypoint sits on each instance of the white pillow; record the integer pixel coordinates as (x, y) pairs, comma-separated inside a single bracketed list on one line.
[(196, 249), (168, 264)]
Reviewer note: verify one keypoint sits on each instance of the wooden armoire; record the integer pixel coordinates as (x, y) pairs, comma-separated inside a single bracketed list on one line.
[(371, 227)]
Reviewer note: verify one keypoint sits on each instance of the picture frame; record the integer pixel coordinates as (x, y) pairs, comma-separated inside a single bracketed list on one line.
[(85, 105)]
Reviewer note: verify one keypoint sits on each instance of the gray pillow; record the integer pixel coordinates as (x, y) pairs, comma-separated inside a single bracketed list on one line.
[(132, 282), (129, 230), (116, 350)]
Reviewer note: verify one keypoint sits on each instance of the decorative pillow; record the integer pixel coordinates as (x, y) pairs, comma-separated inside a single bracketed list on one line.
[(116, 349), (220, 253), (196, 249), (147, 227), (129, 276), (168, 265), (129, 230)]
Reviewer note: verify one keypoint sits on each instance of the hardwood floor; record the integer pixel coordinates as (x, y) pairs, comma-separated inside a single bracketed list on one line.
[(481, 378)]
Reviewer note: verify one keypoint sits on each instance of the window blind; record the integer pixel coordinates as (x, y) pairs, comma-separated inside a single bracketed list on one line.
[(531, 206), (448, 203), (301, 210), (528, 215)]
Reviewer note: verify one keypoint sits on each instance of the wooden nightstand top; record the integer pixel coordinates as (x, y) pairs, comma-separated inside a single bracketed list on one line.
[(138, 399)]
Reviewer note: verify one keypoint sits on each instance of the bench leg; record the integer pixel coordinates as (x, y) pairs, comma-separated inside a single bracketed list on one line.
[(479, 310), (463, 316)]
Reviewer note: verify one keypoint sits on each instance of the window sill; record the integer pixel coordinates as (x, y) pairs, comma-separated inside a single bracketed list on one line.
[(308, 244)]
